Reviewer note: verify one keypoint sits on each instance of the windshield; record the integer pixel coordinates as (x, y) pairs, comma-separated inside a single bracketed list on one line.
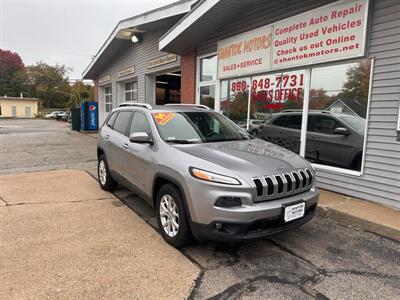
[(357, 123), (197, 127)]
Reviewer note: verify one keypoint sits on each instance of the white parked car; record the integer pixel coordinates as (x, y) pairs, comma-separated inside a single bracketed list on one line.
[(52, 115)]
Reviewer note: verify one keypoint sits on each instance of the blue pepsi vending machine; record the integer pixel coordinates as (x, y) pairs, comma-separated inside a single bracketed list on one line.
[(89, 116)]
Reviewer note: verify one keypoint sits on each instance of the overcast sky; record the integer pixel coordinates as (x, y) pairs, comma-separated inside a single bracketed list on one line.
[(69, 32)]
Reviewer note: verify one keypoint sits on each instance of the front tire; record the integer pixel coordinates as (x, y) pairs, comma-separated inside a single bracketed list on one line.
[(171, 217), (107, 183)]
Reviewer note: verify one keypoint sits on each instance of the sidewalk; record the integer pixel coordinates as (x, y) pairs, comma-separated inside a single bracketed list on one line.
[(62, 237), (363, 214)]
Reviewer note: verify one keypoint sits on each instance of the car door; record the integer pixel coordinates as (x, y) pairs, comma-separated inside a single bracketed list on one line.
[(106, 132), (119, 142), (284, 131), (324, 146), (138, 164)]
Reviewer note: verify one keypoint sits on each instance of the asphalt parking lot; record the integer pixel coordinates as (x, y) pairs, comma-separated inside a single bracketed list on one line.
[(35, 145), (321, 260)]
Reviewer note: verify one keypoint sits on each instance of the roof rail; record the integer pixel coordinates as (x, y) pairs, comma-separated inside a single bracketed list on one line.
[(291, 110), (145, 105), (185, 104), (310, 110)]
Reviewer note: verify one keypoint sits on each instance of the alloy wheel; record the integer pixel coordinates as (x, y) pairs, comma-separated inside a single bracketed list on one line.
[(102, 172), (169, 215)]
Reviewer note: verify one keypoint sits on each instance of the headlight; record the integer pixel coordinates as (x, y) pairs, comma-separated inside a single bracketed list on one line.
[(213, 177)]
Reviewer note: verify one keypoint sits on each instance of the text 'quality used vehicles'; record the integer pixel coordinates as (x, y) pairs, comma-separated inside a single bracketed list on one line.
[(206, 177)]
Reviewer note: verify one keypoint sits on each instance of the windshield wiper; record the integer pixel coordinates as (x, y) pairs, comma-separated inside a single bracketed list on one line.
[(231, 139), (179, 141)]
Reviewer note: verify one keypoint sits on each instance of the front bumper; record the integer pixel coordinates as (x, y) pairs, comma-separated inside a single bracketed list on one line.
[(251, 220), (239, 232)]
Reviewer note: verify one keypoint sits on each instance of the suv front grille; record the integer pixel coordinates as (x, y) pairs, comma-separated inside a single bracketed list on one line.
[(283, 185)]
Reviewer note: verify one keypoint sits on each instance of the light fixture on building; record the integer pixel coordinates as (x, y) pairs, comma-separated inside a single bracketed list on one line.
[(174, 74), (136, 38), (162, 82)]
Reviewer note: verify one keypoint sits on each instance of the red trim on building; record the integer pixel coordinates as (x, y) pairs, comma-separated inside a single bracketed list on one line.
[(188, 77)]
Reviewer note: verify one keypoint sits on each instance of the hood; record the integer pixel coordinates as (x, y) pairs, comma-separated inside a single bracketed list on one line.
[(250, 157)]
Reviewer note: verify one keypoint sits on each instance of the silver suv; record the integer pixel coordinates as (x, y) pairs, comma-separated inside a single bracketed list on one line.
[(206, 177)]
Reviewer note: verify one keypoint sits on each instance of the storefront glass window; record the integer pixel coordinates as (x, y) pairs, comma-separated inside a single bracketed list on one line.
[(208, 68), (108, 99), (131, 91), (235, 99), (207, 96), (338, 100), (277, 99), (337, 114)]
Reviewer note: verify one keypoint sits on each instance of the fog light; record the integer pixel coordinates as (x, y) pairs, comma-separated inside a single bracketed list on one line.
[(218, 225), (228, 202)]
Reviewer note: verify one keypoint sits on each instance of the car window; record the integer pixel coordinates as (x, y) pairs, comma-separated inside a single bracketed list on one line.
[(122, 121), (355, 122), (294, 122), (111, 120), (281, 121), (139, 124), (322, 124), (197, 127), (290, 121)]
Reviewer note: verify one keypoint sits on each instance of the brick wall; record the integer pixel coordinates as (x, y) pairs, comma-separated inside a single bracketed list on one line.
[(188, 78)]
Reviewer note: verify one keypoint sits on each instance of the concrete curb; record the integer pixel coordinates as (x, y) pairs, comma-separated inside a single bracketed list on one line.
[(368, 216)]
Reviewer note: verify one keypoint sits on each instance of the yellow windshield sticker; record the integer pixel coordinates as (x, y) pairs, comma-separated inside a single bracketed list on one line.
[(163, 118)]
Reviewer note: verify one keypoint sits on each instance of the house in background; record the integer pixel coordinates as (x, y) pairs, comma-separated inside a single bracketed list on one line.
[(348, 107), (18, 107)]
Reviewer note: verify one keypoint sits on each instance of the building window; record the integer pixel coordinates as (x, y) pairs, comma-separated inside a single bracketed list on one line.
[(207, 95), (283, 93), (235, 99), (337, 114), (131, 91), (338, 98), (0, 110), (108, 99), (208, 68), (207, 80)]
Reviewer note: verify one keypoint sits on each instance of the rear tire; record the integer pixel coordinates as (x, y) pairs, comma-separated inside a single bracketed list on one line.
[(171, 217), (107, 183)]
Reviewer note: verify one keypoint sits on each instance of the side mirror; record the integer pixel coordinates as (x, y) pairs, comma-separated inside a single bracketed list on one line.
[(141, 138), (341, 130)]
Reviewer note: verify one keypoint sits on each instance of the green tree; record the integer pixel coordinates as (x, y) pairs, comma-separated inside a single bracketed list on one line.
[(49, 84), (80, 92), (357, 84), (238, 106), (12, 74), (319, 100)]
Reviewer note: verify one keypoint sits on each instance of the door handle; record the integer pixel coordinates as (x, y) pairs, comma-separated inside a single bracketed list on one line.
[(107, 137), (126, 146)]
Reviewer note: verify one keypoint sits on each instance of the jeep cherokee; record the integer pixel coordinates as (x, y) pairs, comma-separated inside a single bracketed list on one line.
[(206, 177)]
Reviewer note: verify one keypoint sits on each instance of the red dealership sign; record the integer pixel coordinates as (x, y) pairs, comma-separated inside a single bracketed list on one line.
[(331, 32)]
